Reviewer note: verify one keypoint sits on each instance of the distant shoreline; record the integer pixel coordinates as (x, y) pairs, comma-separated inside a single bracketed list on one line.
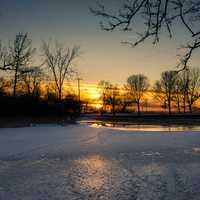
[(143, 119), (24, 121), (148, 118)]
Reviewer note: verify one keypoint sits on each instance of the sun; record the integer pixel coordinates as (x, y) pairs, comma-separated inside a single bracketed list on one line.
[(98, 106), (93, 93)]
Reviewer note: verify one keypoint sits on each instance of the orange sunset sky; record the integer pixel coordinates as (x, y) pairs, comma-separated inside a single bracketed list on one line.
[(103, 57)]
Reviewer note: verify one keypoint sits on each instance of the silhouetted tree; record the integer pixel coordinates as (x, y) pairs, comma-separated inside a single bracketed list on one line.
[(157, 16), (159, 94), (5, 58), (125, 99), (104, 87), (184, 84), (20, 53), (193, 93), (50, 93), (178, 93), (113, 98), (60, 63), (2, 85), (165, 88), (137, 86), (187, 88), (16, 57), (32, 78)]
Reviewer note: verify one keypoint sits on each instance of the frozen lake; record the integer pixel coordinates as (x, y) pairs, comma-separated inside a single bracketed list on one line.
[(95, 162), (141, 127), (150, 128)]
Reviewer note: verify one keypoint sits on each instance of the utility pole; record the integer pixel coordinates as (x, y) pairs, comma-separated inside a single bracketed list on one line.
[(79, 93), (79, 90)]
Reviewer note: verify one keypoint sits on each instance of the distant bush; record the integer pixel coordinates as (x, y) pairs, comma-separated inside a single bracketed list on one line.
[(33, 106)]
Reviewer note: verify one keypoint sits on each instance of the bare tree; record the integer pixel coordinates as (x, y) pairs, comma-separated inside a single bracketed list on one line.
[(178, 93), (165, 88), (186, 89), (159, 94), (20, 54), (104, 87), (125, 99), (137, 86), (193, 93), (183, 86), (5, 58), (158, 16), (2, 85), (17, 56), (60, 63), (32, 78), (50, 92), (113, 98)]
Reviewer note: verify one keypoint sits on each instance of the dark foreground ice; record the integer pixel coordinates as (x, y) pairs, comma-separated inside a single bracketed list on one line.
[(83, 163)]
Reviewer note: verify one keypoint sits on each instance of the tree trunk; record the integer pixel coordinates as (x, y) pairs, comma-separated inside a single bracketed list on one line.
[(184, 102), (29, 90), (138, 107), (113, 108), (104, 103), (15, 83), (190, 107), (169, 106), (60, 94), (178, 104)]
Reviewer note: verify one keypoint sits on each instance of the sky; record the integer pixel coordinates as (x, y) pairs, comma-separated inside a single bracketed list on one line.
[(103, 57)]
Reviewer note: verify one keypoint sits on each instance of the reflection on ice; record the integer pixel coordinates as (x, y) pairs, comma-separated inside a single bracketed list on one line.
[(96, 125), (152, 169), (90, 170), (98, 177), (196, 149), (150, 128)]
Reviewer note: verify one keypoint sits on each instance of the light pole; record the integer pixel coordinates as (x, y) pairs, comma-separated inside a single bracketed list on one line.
[(79, 93)]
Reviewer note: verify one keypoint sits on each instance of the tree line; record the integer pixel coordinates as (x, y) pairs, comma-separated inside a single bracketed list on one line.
[(160, 17), (179, 90), (22, 81)]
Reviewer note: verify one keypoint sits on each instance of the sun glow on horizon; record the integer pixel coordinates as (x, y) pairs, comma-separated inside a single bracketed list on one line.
[(87, 90), (90, 95), (98, 106)]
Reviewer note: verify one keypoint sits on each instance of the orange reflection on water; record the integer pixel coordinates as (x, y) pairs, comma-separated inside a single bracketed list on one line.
[(95, 125)]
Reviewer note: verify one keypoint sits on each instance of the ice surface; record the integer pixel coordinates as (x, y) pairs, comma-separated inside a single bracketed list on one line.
[(81, 162)]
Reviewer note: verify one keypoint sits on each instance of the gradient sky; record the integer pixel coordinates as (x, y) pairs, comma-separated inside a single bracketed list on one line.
[(103, 56)]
